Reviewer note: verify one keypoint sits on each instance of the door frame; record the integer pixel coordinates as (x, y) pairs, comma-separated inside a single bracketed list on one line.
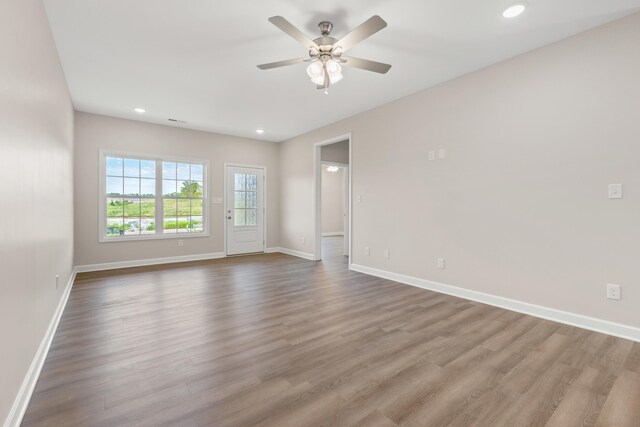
[(224, 204), (317, 195)]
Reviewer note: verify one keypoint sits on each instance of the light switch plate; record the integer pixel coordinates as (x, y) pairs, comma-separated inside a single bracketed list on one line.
[(432, 155), (615, 191)]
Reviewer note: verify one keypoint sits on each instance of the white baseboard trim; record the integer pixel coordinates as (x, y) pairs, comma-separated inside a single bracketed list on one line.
[(333, 233), (144, 262), (271, 250), (294, 253), (21, 402), (568, 318)]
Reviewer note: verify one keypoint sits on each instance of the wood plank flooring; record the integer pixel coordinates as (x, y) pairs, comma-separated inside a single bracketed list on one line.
[(274, 340)]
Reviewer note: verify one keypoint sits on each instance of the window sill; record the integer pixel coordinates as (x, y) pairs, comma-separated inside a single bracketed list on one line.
[(152, 237)]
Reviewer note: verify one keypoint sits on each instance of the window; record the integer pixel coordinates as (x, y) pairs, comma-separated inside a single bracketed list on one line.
[(150, 197)]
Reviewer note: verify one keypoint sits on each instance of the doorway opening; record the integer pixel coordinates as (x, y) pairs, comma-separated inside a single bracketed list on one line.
[(332, 197)]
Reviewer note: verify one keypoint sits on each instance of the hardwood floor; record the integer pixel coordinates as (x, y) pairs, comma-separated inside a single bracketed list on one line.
[(275, 340)]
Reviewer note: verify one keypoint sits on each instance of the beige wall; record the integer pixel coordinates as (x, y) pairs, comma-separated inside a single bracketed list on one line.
[(332, 201), (94, 132), (519, 207), (36, 184), (337, 153)]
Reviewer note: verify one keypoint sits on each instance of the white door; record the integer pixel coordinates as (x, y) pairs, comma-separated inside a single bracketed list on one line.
[(244, 209)]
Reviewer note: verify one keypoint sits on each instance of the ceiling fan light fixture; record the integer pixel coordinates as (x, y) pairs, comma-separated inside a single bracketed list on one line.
[(318, 80), (334, 70), (315, 69), (325, 53)]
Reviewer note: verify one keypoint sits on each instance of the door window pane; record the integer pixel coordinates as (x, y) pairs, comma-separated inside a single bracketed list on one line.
[(251, 218), (252, 199), (239, 201), (252, 182), (239, 181)]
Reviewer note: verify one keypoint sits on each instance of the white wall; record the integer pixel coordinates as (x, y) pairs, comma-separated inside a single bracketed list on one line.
[(94, 132), (332, 201), (36, 184), (519, 205)]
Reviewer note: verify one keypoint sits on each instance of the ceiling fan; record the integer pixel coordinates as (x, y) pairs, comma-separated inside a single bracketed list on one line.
[(326, 53)]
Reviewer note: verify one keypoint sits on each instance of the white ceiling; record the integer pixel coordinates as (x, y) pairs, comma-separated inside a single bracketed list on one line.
[(196, 60)]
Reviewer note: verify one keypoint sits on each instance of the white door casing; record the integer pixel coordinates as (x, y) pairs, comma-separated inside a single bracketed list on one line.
[(346, 197), (244, 209)]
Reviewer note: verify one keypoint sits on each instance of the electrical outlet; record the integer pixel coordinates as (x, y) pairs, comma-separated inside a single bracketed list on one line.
[(387, 254), (57, 280), (367, 251), (181, 243), (441, 263), (613, 292)]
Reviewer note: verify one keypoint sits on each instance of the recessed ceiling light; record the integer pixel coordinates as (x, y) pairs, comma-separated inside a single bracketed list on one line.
[(514, 10), (326, 92), (260, 131), (139, 110)]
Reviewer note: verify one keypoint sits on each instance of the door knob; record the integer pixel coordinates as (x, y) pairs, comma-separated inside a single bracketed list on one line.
[(228, 217)]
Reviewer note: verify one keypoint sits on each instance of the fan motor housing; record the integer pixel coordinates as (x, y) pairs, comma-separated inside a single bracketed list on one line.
[(325, 28)]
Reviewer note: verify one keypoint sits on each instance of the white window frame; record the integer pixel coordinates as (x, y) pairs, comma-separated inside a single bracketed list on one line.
[(102, 215)]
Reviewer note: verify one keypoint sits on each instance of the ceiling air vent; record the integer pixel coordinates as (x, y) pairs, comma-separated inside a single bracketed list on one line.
[(177, 121)]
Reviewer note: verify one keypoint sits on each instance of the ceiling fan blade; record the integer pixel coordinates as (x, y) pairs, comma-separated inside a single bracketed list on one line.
[(364, 30), (283, 63), (288, 28), (365, 64)]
